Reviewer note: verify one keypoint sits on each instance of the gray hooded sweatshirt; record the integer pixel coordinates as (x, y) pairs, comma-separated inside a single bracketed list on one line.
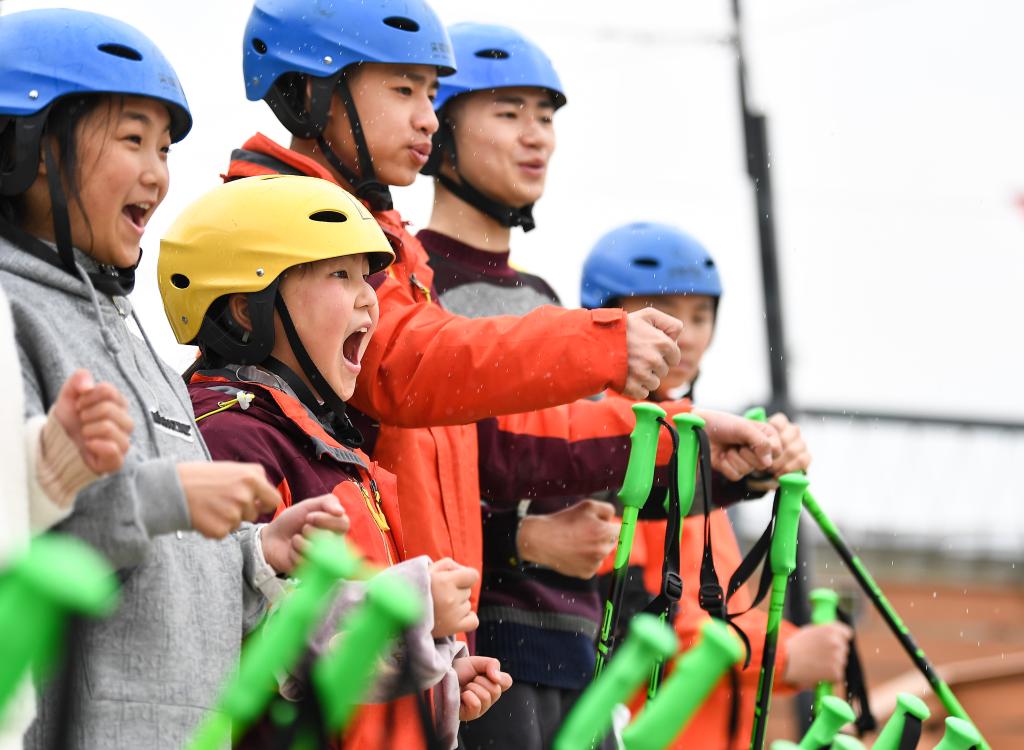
[(148, 673)]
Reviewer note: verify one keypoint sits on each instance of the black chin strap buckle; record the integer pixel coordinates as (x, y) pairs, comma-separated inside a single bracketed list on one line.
[(672, 588), (376, 193)]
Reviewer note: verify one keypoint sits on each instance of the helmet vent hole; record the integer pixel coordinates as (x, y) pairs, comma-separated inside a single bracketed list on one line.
[(259, 45), (180, 281), (119, 50), (709, 263), (401, 23), (334, 217), (646, 262), (492, 54)]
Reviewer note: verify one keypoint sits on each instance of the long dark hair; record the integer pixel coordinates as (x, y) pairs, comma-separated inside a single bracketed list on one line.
[(62, 123)]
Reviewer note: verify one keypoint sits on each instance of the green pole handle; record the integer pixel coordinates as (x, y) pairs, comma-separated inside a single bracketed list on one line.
[(590, 719), (783, 563), (695, 674), (959, 735), (689, 451), (846, 742), (892, 733), (279, 642), (824, 607), (58, 576), (784, 745), (835, 714), (686, 465), (343, 675), (636, 488)]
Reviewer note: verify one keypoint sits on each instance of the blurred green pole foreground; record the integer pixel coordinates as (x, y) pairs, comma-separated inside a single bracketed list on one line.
[(57, 578)]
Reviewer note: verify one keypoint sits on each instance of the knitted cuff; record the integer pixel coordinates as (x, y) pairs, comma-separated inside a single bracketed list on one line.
[(60, 469)]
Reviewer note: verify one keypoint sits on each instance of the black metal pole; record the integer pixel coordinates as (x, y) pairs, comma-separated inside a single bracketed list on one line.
[(755, 137)]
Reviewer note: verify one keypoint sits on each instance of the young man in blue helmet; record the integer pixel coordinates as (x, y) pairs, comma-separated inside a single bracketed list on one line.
[(354, 84), (539, 608), (656, 265)]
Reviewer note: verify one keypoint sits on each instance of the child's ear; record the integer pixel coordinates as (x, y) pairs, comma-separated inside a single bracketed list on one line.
[(238, 306)]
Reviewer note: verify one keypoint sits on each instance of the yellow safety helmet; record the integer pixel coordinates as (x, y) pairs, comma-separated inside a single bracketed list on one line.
[(240, 237)]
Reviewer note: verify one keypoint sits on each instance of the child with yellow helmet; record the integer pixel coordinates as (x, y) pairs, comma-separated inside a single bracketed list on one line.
[(268, 276)]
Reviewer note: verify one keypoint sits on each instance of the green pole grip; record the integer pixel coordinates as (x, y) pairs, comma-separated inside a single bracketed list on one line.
[(756, 414), (846, 742), (784, 745), (959, 735), (835, 714), (636, 485), (892, 733), (56, 577), (279, 642), (590, 719), (343, 675), (689, 451), (694, 676), (787, 522), (824, 606)]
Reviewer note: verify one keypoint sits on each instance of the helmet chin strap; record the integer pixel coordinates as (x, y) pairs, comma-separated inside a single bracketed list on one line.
[(365, 183), (331, 412), (504, 214)]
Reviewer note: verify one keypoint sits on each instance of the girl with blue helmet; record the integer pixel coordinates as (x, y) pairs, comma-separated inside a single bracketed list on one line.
[(650, 264), (102, 105)]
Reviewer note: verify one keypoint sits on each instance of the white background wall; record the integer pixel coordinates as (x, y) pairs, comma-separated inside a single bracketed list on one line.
[(895, 127)]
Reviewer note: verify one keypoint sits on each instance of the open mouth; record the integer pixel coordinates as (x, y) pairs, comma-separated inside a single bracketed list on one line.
[(136, 214), (352, 349)]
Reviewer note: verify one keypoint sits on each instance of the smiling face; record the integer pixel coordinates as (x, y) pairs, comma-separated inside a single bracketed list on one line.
[(334, 310), (396, 109), (121, 174), (504, 139), (697, 314)]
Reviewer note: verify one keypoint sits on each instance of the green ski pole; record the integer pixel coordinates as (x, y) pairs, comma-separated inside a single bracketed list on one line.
[(782, 558), (835, 714), (278, 643), (342, 676), (686, 482), (56, 578), (905, 720), (824, 605), (591, 717), (959, 735), (694, 675), (888, 613), (636, 487)]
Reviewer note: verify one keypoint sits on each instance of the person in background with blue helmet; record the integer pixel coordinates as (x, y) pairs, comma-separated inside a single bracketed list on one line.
[(648, 264), (102, 105)]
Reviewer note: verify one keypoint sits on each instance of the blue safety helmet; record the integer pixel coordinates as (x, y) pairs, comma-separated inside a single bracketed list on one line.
[(495, 57), (46, 55), (646, 258), (490, 57), (49, 54), (288, 43)]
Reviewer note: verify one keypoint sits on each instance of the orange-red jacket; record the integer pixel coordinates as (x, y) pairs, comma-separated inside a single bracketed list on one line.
[(426, 367)]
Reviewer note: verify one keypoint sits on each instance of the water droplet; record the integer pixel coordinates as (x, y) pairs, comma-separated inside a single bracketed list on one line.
[(33, 94)]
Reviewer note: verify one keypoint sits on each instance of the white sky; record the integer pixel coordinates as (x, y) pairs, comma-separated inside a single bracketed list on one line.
[(895, 126)]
